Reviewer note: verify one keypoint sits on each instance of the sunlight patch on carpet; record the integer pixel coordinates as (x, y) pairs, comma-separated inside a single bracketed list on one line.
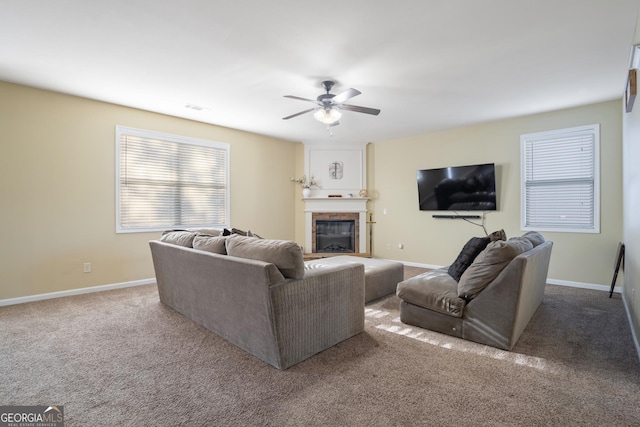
[(443, 341), (375, 313)]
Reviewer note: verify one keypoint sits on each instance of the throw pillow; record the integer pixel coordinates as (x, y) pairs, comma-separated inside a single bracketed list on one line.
[(498, 235), (180, 238), (215, 244), (286, 255), (238, 231), (534, 237), (250, 234), (488, 265), (469, 252)]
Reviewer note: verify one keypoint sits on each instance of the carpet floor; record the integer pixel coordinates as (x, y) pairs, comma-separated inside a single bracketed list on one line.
[(123, 358)]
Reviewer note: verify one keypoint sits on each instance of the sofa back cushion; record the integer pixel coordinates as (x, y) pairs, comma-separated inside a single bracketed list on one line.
[(488, 265), (207, 231), (284, 254), (534, 237), (470, 251), (215, 244), (179, 237)]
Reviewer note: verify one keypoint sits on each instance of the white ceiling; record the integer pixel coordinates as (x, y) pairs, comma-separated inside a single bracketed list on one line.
[(428, 65)]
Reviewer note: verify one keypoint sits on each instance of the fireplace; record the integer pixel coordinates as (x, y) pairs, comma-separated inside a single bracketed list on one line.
[(333, 232), (335, 236), (336, 210)]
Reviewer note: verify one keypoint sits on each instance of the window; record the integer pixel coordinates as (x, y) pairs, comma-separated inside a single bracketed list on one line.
[(560, 180), (166, 181)]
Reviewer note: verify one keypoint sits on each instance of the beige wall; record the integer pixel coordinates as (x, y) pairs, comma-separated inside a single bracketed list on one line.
[(583, 258), (57, 186)]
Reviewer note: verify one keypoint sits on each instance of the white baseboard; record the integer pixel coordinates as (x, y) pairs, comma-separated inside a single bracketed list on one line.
[(415, 264), (70, 292), (595, 287)]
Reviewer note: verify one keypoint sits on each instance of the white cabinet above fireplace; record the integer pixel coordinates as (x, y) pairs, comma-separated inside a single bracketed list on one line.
[(338, 169)]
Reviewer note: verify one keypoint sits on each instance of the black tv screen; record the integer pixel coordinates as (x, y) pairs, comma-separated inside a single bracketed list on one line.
[(458, 188)]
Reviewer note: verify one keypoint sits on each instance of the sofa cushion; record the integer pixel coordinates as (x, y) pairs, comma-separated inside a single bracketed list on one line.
[(179, 237), (435, 290), (489, 264), (207, 231), (284, 254), (534, 237), (215, 244), (469, 252)]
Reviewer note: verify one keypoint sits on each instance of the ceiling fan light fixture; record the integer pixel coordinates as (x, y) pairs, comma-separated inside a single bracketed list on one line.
[(327, 116)]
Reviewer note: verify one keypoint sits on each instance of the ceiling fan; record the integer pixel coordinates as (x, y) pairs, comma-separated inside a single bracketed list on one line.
[(327, 105)]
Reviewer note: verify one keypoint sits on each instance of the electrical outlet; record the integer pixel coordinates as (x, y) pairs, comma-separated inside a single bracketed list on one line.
[(400, 246), (87, 267)]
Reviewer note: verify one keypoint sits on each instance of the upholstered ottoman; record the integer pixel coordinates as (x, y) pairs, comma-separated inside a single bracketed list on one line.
[(380, 275)]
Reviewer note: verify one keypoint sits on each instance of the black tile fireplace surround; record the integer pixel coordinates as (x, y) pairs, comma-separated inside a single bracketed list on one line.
[(335, 236)]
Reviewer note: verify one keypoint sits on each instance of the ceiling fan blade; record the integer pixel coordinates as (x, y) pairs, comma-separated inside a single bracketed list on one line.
[(299, 114), (343, 96), (359, 109), (300, 98)]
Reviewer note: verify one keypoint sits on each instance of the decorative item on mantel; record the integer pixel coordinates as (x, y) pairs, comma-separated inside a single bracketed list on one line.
[(306, 184)]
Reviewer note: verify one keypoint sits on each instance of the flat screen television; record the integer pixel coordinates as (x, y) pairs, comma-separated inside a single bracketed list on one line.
[(458, 188)]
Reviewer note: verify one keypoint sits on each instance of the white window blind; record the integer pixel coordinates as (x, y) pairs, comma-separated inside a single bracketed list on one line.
[(165, 181), (560, 180)]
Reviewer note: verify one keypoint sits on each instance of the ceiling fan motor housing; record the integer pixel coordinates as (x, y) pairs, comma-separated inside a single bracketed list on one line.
[(327, 85), (325, 99)]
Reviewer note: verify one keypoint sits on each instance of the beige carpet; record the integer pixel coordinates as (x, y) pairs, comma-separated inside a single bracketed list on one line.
[(122, 358)]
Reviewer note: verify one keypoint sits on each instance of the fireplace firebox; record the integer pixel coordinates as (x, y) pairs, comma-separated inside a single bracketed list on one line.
[(335, 236), (335, 233)]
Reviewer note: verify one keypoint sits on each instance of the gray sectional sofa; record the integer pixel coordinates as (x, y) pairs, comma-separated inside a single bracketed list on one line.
[(492, 300), (257, 294)]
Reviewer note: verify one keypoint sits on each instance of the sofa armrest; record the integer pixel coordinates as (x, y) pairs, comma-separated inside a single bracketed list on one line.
[(316, 312), (499, 314)]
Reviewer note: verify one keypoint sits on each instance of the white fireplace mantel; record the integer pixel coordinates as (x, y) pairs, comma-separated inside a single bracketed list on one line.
[(335, 205)]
